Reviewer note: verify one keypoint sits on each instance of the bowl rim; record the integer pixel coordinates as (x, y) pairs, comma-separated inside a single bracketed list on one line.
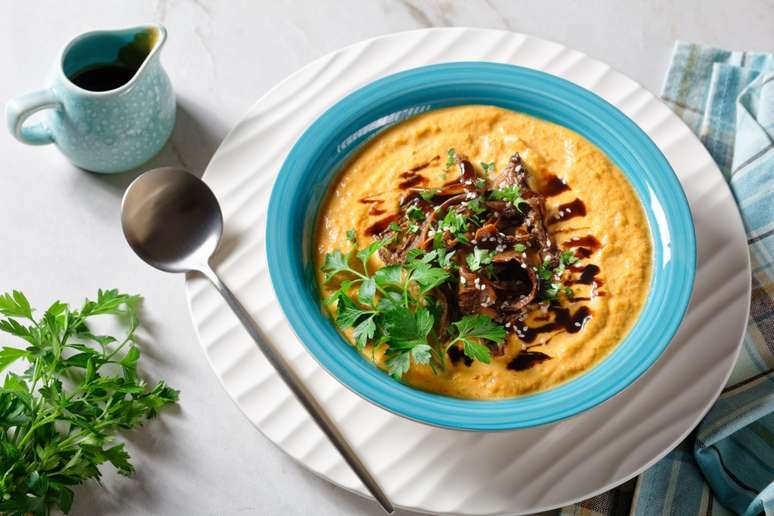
[(312, 326)]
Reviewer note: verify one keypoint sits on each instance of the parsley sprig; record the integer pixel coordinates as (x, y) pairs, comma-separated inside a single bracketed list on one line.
[(471, 329), (59, 418), (393, 307)]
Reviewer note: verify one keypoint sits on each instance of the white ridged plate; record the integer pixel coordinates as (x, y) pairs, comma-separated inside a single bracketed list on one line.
[(431, 469)]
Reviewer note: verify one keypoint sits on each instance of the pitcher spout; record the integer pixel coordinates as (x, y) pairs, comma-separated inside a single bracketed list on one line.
[(129, 53)]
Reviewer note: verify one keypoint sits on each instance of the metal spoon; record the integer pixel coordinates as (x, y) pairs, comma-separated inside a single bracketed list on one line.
[(173, 221)]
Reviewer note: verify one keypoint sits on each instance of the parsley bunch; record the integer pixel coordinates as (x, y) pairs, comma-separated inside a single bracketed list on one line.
[(393, 307), (58, 419)]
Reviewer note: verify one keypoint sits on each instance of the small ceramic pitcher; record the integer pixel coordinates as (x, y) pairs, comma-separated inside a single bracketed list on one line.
[(109, 105)]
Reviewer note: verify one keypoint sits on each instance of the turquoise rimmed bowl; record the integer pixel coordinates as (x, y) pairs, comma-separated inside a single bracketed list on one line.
[(318, 155)]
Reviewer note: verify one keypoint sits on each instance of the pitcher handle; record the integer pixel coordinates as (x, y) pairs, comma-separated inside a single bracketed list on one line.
[(22, 107)]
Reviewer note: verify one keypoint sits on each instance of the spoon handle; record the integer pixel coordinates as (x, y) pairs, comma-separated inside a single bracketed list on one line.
[(297, 387)]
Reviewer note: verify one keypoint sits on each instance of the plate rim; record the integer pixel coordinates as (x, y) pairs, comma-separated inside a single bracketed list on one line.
[(192, 290), (563, 401)]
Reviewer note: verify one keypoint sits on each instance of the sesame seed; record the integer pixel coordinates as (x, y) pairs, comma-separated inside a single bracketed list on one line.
[(577, 324)]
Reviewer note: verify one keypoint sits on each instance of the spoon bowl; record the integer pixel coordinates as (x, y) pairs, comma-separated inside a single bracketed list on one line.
[(171, 219)]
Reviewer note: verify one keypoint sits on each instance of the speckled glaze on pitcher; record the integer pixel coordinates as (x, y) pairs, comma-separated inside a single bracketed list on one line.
[(102, 131)]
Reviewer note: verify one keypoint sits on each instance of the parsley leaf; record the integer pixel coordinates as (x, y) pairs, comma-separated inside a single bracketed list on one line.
[(480, 326), (478, 258), (473, 327), (351, 236), (428, 194), (364, 331), (476, 351), (451, 157), (406, 328), (428, 277), (364, 254), (391, 275), (398, 364), (348, 313), (511, 194), (519, 248), (415, 213), (335, 263)]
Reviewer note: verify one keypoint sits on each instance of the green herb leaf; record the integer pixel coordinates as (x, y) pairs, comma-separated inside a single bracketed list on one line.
[(367, 291), (428, 194), (399, 364), (415, 213), (422, 354), (335, 263), (391, 275), (428, 277), (511, 194), (476, 351), (364, 332), (482, 327), (451, 157), (568, 258), (519, 248), (15, 305), (478, 258), (352, 236), (348, 313), (364, 254), (405, 328)]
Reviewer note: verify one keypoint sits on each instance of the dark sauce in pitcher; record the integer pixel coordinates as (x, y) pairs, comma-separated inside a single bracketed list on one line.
[(103, 77), (112, 75)]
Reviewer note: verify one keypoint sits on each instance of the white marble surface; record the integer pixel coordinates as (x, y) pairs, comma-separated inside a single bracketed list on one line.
[(60, 231)]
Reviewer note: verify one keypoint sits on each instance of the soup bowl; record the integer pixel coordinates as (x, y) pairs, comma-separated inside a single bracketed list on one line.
[(331, 140)]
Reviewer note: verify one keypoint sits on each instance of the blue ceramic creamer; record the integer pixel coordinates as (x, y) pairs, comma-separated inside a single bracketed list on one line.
[(109, 106)]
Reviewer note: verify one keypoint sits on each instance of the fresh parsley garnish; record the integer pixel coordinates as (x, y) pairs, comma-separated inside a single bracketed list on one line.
[(471, 329), (519, 248), (550, 284), (60, 417), (415, 213), (487, 167), (451, 157), (351, 235), (478, 258), (455, 223), (392, 307), (509, 193), (428, 194)]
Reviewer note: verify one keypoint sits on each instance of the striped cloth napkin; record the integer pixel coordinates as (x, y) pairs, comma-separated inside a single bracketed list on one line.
[(727, 465)]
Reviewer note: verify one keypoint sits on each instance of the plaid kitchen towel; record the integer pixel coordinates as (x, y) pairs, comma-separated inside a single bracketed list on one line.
[(727, 465)]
